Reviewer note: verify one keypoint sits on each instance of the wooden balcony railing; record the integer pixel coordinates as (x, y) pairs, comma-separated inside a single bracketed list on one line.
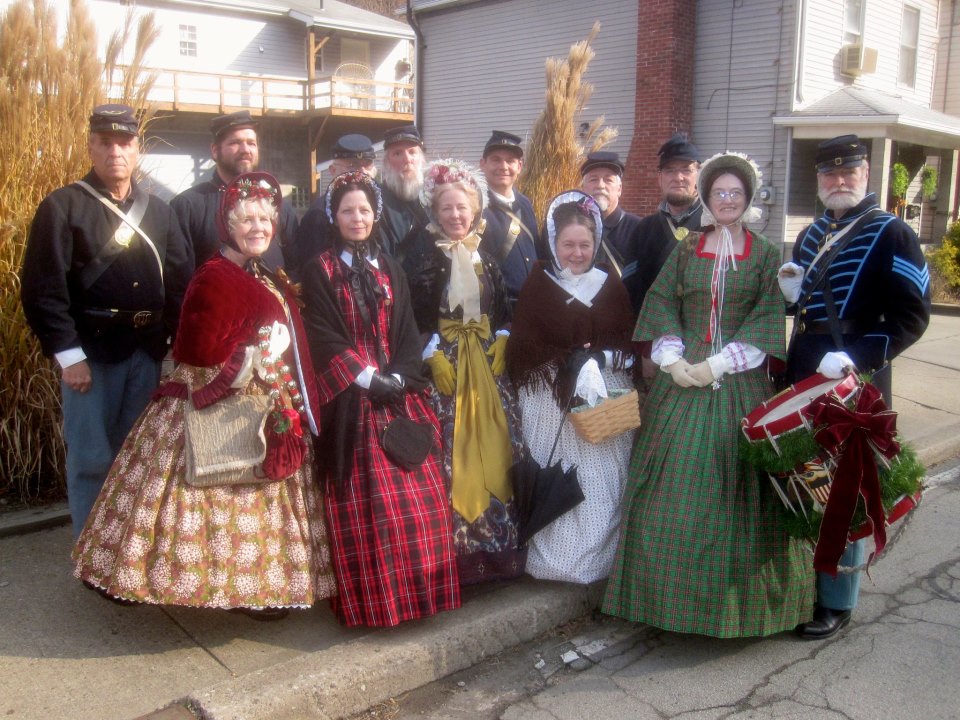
[(186, 90)]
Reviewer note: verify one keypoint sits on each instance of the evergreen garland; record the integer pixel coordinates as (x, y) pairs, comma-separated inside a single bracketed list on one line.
[(903, 477)]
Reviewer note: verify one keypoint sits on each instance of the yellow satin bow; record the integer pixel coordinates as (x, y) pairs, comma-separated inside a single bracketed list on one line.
[(464, 287)]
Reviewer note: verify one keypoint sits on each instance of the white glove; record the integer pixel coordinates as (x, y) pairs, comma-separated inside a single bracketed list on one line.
[(790, 278), (245, 373), (590, 384), (835, 364), (680, 372)]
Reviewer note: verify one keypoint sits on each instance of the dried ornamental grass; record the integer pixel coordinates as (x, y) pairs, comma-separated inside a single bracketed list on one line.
[(555, 151), (47, 88)]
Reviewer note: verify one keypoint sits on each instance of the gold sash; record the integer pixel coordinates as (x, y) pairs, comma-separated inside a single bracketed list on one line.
[(482, 452)]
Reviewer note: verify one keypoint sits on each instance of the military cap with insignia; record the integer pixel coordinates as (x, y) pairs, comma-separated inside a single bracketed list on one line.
[(353, 146), (678, 147), (114, 118), (402, 134), (841, 152), (500, 140), (222, 123), (602, 158)]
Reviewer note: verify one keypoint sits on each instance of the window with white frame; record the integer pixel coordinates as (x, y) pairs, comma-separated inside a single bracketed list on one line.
[(853, 14), (909, 42), (188, 40)]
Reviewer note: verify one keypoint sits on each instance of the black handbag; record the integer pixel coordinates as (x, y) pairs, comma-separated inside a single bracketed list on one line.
[(406, 442)]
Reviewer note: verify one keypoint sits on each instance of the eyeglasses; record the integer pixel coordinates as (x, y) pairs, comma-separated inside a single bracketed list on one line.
[(724, 195)]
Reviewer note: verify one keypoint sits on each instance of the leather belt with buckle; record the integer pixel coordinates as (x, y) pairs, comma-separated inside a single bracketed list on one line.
[(129, 318)]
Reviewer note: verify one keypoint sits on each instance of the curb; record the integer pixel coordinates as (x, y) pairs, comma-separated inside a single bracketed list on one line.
[(945, 309), (19, 522), (347, 679)]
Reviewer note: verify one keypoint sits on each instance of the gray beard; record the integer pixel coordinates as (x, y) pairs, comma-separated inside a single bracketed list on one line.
[(843, 201), (404, 188), (603, 202)]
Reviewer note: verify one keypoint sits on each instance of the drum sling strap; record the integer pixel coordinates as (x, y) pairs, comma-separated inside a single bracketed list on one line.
[(616, 262), (111, 250), (819, 272), (507, 246)]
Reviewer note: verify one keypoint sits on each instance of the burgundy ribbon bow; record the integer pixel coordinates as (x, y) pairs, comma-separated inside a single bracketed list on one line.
[(852, 435)]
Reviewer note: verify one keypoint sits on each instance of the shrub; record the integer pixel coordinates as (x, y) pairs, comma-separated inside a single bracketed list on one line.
[(946, 258)]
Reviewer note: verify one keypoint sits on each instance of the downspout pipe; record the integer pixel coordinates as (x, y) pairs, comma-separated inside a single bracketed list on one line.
[(415, 24)]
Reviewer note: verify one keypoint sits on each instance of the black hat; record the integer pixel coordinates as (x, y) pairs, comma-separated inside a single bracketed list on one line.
[(404, 133), (242, 118), (500, 140), (353, 146), (602, 159), (838, 152), (114, 119), (678, 147)]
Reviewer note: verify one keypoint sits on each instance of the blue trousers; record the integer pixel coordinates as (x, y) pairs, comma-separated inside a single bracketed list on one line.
[(840, 593), (96, 423)]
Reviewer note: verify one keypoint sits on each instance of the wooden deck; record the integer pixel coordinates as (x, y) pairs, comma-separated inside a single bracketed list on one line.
[(327, 95)]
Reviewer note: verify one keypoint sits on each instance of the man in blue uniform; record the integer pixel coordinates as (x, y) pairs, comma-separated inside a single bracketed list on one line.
[(602, 178), (511, 232), (235, 150), (679, 213), (104, 273), (402, 179), (349, 152), (860, 289)]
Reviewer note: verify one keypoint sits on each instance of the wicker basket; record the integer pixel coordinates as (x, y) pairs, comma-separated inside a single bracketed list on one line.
[(618, 414)]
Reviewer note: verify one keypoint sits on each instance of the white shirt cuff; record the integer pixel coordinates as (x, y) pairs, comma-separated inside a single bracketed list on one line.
[(365, 376), (431, 347), (667, 350), (66, 358)]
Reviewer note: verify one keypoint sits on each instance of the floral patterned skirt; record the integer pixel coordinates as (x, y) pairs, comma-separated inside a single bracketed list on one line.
[(487, 548), (153, 538)]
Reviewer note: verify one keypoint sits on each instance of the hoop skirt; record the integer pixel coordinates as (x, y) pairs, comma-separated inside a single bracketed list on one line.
[(702, 549)]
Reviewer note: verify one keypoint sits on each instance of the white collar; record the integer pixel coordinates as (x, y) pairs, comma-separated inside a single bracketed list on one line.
[(504, 198), (347, 258), (582, 287)]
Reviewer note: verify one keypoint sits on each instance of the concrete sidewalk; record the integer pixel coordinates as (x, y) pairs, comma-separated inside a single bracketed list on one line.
[(67, 653)]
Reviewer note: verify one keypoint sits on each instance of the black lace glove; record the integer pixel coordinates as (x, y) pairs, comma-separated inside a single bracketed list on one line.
[(384, 389)]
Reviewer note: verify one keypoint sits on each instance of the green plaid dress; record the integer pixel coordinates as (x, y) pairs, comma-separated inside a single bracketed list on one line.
[(701, 549)]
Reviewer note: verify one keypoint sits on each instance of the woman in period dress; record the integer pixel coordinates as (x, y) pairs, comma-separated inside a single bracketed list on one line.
[(260, 547), (572, 324), (390, 526), (460, 304), (702, 549)]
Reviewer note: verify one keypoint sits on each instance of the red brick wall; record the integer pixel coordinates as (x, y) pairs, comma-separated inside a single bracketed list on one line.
[(664, 95)]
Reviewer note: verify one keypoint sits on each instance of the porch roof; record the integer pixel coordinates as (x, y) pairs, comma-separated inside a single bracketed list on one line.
[(873, 113)]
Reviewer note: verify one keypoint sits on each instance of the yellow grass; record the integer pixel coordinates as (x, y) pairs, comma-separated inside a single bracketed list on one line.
[(555, 151), (47, 89)]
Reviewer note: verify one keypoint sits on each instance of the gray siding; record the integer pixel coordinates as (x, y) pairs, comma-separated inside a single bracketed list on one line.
[(483, 68), (824, 38), (744, 76), (946, 95)]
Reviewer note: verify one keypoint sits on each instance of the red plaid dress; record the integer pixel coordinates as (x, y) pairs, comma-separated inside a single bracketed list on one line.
[(390, 529)]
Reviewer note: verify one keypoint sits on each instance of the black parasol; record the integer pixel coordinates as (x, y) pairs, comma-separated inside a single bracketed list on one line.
[(542, 494)]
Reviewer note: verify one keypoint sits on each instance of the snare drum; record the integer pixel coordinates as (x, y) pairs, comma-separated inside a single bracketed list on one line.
[(780, 441), (800, 471)]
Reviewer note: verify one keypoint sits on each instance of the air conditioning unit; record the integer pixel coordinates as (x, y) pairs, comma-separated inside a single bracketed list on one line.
[(857, 60)]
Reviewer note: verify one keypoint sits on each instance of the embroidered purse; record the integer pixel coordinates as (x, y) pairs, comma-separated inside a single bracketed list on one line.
[(224, 443)]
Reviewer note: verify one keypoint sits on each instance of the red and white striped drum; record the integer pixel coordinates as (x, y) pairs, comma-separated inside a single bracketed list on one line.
[(778, 420)]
